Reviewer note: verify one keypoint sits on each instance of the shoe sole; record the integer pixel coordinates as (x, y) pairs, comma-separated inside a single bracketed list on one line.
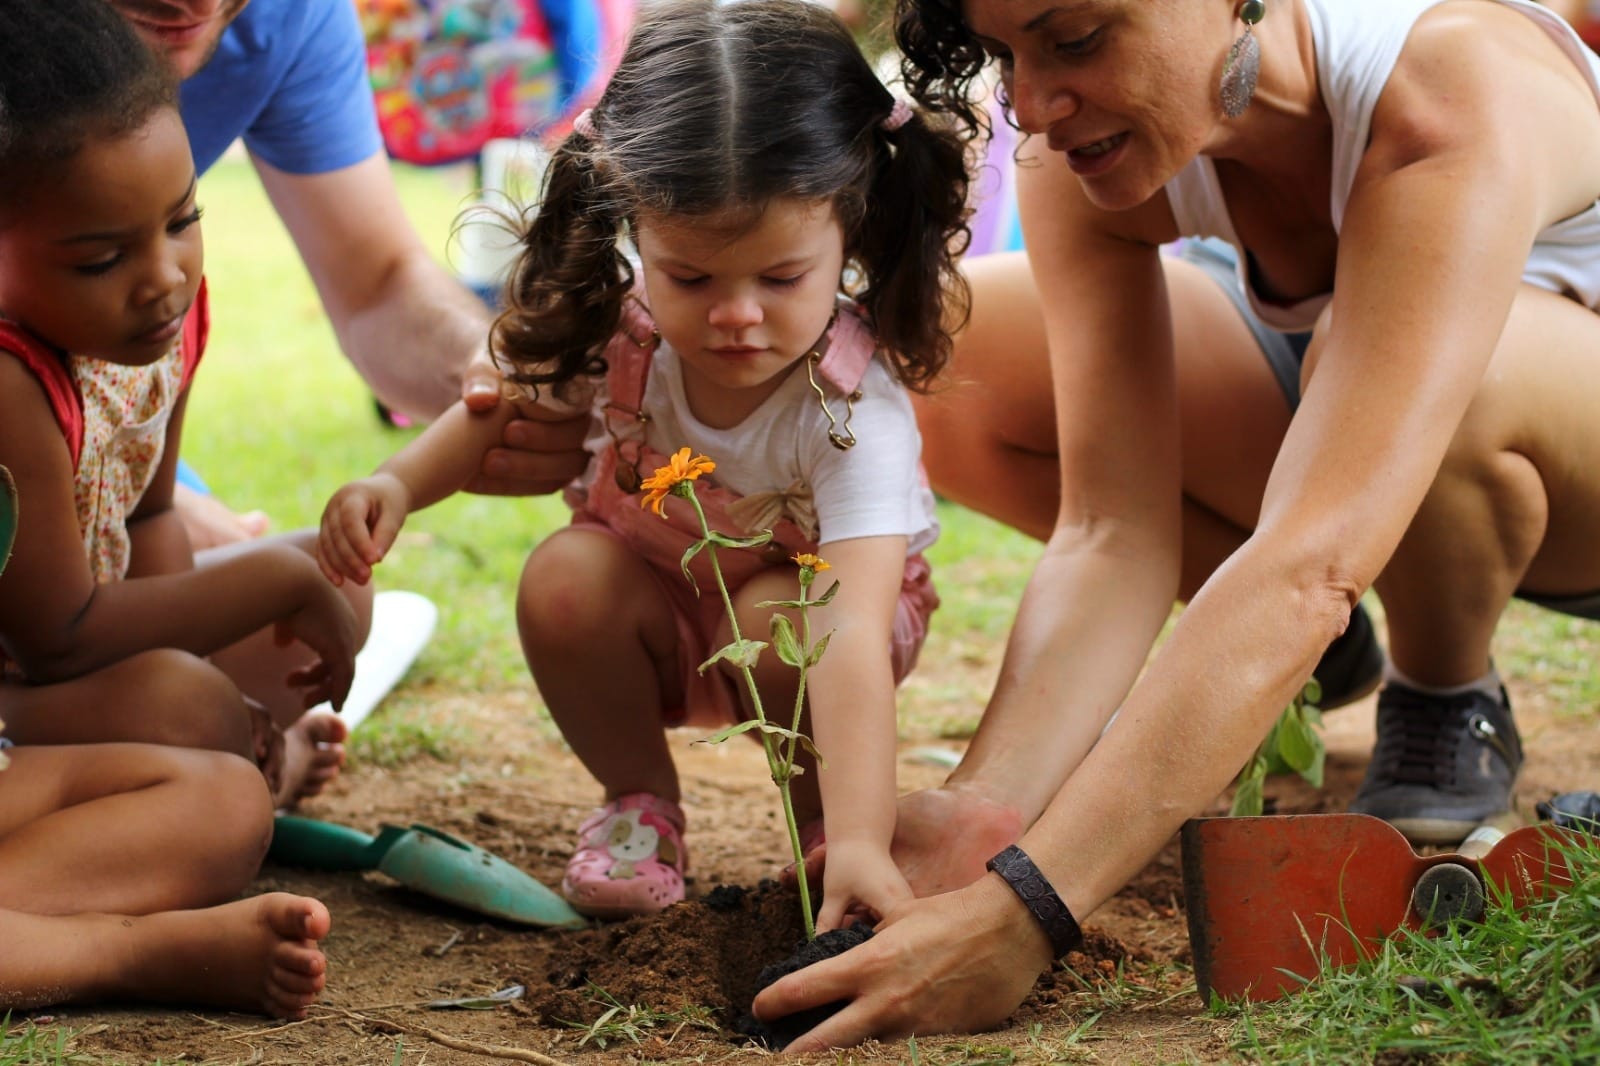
[(1436, 831)]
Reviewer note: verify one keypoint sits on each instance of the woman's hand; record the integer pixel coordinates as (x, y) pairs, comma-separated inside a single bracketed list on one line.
[(359, 526), (932, 859), (956, 963), (860, 878)]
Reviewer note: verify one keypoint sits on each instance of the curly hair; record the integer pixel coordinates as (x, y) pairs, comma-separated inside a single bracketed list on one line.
[(70, 70), (940, 59), (713, 112)]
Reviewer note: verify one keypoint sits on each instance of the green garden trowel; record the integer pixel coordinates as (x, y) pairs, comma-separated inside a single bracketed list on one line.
[(8, 515), (428, 861)]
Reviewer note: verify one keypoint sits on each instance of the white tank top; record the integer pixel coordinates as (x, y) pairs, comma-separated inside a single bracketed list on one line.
[(1357, 44)]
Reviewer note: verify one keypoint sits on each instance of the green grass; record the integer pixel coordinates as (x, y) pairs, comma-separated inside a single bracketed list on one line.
[(1521, 987), (620, 1023)]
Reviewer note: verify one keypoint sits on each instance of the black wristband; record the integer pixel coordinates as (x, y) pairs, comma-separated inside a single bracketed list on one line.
[(1036, 892)]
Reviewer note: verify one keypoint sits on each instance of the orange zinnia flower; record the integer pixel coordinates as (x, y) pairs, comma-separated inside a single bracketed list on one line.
[(679, 469), (812, 562)]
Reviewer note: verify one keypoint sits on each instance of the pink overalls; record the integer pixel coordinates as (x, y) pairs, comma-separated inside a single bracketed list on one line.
[(712, 698)]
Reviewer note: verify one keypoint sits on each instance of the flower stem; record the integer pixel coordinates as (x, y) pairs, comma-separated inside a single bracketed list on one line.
[(780, 765)]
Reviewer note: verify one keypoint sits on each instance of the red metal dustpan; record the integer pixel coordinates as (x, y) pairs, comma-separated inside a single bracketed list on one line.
[(1267, 898)]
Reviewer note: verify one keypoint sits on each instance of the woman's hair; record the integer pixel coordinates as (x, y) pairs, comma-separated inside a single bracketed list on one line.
[(714, 112), (939, 59), (70, 71)]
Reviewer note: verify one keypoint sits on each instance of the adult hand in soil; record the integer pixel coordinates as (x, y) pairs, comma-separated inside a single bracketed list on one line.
[(955, 963), (942, 837), (861, 879)]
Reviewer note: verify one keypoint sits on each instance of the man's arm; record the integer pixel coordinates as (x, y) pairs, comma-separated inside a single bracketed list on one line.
[(410, 328)]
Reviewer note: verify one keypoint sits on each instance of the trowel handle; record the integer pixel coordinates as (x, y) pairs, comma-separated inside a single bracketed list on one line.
[(306, 842), (8, 515)]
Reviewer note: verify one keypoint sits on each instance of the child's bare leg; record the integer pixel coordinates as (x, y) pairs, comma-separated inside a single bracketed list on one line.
[(601, 641), (313, 743), (257, 954), (127, 829), (165, 697)]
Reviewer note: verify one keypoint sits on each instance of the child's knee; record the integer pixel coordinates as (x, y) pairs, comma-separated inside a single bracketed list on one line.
[(190, 703), (230, 816), (570, 588)]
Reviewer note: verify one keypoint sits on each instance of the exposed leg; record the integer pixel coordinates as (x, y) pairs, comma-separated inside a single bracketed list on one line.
[(601, 641), (258, 954), (164, 697), (1517, 500), (1516, 505), (128, 829), (313, 743), (989, 434)]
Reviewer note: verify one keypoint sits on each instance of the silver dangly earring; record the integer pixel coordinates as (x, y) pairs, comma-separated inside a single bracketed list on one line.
[(1239, 70)]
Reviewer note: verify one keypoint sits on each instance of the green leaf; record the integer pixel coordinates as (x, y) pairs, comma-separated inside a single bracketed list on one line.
[(826, 597), (1314, 774), (741, 653), (818, 648), (756, 541), (1296, 742), (732, 731), (1311, 695), (688, 556), (785, 642), (793, 605), (1248, 800)]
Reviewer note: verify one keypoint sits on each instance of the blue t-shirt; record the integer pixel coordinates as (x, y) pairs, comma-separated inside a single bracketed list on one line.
[(290, 77)]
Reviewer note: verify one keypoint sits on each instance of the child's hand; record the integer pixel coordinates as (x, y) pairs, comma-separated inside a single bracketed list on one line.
[(359, 526), (268, 741), (860, 878), (327, 625)]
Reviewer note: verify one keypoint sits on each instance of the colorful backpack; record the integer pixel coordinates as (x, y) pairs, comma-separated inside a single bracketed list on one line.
[(450, 75)]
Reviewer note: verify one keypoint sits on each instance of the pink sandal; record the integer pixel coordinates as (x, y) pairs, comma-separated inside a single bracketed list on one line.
[(630, 858)]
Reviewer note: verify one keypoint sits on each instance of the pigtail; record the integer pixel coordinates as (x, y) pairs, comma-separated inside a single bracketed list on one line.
[(910, 236), (564, 298), (940, 59)]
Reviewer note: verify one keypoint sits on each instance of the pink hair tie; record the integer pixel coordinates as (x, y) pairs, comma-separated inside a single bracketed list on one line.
[(898, 115), (584, 124)]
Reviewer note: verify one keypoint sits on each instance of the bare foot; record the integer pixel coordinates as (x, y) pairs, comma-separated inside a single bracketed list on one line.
[(313, 753), (942, 838), (258, 954)]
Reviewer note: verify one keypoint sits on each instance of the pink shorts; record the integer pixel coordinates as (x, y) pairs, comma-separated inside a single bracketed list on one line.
[(712, 699)]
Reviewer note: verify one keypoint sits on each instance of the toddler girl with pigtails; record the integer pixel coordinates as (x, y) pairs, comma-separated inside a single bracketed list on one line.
[(795, 227)]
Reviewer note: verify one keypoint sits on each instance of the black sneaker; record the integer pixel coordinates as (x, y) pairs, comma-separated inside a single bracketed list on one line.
[(1442, 764), (1353, 664)]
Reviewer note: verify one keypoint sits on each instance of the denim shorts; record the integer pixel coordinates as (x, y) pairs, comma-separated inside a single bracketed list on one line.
[(1284, 352)]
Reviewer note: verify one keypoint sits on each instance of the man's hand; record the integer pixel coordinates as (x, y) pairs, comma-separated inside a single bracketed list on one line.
[(541, 452), (209, 522)]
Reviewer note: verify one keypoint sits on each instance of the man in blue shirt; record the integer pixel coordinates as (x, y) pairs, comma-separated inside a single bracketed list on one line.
[(289, 77)]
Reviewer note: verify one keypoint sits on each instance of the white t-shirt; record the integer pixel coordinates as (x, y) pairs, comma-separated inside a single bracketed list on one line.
[(871, 490)]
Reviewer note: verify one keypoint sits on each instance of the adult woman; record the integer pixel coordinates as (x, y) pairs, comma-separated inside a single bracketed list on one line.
[(1397, 174)]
